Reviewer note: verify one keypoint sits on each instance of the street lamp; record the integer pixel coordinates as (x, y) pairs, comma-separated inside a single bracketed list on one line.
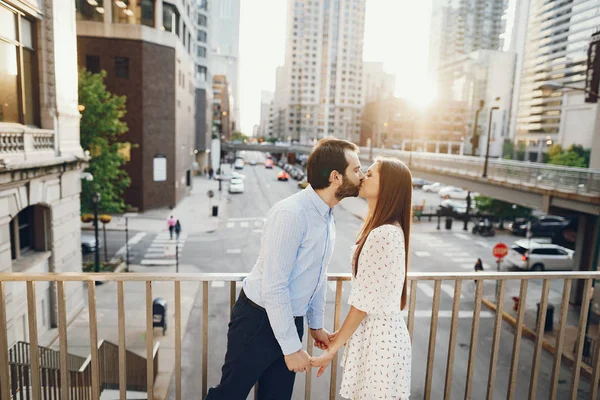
[(474, 142), (487, 146), (96, 200)]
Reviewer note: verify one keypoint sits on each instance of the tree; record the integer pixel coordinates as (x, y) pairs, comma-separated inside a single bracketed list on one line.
[(521, 151), (508, 150), (100, 127), (574, 156), (500, 208), (236, 135)]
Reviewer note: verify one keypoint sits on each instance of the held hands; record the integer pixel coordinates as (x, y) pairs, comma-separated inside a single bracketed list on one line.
[(322, 361), (298, 361), (322, 338)]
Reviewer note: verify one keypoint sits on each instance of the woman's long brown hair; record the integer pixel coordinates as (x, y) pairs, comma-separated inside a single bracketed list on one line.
[(394, 205)]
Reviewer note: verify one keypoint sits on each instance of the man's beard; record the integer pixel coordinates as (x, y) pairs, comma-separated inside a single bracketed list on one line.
[(348, 189)]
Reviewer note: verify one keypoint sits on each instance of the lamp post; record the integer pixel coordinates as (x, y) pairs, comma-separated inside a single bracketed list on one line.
[(96, 200), (487, 145), (481, 104)]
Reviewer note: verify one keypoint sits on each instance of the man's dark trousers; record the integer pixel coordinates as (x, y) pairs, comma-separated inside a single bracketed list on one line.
[(253, 355)]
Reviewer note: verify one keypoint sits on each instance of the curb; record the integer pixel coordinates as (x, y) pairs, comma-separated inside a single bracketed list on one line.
[(585, 370)]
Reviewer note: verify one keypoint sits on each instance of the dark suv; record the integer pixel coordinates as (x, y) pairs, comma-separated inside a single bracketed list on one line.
[(547, 226)]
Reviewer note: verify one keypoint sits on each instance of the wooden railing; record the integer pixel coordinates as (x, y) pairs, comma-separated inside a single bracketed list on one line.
[(123, 373)]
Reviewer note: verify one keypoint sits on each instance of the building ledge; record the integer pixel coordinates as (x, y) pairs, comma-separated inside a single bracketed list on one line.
[(30, 261)]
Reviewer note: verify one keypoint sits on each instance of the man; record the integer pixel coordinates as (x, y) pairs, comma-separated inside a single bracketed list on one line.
[(288, 281)]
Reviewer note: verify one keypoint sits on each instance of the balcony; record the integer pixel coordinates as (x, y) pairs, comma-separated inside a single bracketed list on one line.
[(21, 144), (469, 347)]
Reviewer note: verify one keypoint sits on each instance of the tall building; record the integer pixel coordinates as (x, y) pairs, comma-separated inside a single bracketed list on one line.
[(148, 50), (41, 158), (462, 27), (204, 95), (556, 50), (221, 117), (323, 67), (225, 48), (266, 113), (377, 83)]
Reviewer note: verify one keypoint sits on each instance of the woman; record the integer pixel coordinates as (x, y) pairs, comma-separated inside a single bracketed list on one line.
[(377, 358), (177, 229)]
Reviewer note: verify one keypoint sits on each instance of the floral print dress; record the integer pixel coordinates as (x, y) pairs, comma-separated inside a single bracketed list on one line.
[(377, 357)]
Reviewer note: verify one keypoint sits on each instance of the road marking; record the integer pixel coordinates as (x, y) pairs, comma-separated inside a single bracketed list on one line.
[(244, 224), (426, 289), (230, 224), (462, 236), (217, 284), (233, 251), (468, 266), (464, 259), (440, 244), (133, 241), (246, 219), (483, 244), (158, 262), (456, 254), (258, 223), (422, 254), (257, 231), (449, 290)]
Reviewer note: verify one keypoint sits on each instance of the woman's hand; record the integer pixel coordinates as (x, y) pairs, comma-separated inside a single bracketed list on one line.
[(322, 361)]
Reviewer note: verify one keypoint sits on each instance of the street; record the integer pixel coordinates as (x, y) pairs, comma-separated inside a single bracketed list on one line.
[(234, 246)]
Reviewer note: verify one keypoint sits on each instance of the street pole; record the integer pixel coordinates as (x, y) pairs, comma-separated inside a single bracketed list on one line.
[(468, 214), (105, 246), (96, 200), (126, 244), (487, 150), (499, 260)]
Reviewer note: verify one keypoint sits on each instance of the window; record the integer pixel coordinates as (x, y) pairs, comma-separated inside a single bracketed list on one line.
[(202, 72), (17, 51), (92, 63), (204, 5), (90, 11), (122, 67), (202, 20), (133, 12), (171, 18), (201, 36), (202, 51), (27, 231)]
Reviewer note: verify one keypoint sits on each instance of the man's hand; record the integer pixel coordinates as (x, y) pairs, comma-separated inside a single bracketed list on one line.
[(298, 361), (322, 338)]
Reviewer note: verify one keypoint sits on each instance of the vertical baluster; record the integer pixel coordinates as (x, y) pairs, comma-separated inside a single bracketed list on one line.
[(560, 339), (435, 308), (62, 334), (539, 338), (122, 344), (336, 326), (517, 340), (452, 339), (95, 370), (496, 339), (474, 337), (583, 316), (4, 377), (178, 339), (149, 342), (204, 338), (411, 307)]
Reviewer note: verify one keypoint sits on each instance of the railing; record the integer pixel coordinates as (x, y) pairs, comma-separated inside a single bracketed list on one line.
[(19, 143), (515, 383)]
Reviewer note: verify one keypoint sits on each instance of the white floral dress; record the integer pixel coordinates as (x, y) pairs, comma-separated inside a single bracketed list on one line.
[(377, 357)]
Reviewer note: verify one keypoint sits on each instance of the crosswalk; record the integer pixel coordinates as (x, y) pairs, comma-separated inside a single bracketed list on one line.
[(163, 251), (255, 224)]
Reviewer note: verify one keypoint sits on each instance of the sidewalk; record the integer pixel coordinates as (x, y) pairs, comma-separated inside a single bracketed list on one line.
[(194, 211)]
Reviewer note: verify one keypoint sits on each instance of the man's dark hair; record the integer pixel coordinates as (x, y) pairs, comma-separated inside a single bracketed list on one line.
[(328, 155)]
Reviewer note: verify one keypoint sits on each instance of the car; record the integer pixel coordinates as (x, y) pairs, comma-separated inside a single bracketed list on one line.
[(303, 184), (269, 163), (454, 208), (283, 176), (433, 188), (536, 256), (253, 163), (239, 163), (88, 243), (419, 183), (451, 192), (545, 226), (236, 185)]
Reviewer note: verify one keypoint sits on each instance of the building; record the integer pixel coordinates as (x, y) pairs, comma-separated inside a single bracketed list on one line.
[(148, 51), (266, 113), (41, 159), (278, 110), (395, 123), (555, 49), (323, 68), (377, 83), (221, 117), (225, 48), (204, 95)]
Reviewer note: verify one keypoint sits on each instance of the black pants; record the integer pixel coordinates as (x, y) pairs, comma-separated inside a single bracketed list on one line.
[(253, 355)]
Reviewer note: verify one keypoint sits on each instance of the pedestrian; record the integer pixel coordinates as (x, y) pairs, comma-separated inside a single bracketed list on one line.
[(478, 267), (171, 223), (211, 172), (177, 229), (288, 281)]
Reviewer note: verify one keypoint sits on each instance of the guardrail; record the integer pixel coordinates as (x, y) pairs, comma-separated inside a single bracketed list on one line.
[(459, 281)]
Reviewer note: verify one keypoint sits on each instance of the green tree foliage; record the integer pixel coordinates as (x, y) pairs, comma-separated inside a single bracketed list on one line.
[(500, 208), (238, 136), (508, 150), (574, 156), (100, 127)]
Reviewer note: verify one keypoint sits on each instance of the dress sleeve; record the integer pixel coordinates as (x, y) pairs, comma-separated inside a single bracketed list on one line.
[(381, 259)]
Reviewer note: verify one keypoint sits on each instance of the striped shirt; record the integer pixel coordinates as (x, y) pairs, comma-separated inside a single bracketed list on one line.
[(289, 277)]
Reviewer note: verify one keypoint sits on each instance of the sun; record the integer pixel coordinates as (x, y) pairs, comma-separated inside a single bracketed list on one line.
[(420, 92)]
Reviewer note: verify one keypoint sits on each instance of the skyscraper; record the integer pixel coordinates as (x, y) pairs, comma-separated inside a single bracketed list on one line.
[(323, 68)]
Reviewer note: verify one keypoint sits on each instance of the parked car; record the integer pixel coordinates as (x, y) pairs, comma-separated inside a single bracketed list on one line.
[(269, 163), (236, 185), (452, 192), (283, 176), (253, 163), (238, 164), (451, 207), (303, 184), (433, 188), (545, 226), (419, 183), (297, 174), (88, 243), (531, 255)]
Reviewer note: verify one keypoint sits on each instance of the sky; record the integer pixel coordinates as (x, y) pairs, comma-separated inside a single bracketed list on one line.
[(396, 33)]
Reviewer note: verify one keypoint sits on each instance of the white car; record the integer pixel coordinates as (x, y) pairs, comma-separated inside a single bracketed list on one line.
[(236, 185), (433, 188), (238, 164), (535, 256), (452, 192)]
